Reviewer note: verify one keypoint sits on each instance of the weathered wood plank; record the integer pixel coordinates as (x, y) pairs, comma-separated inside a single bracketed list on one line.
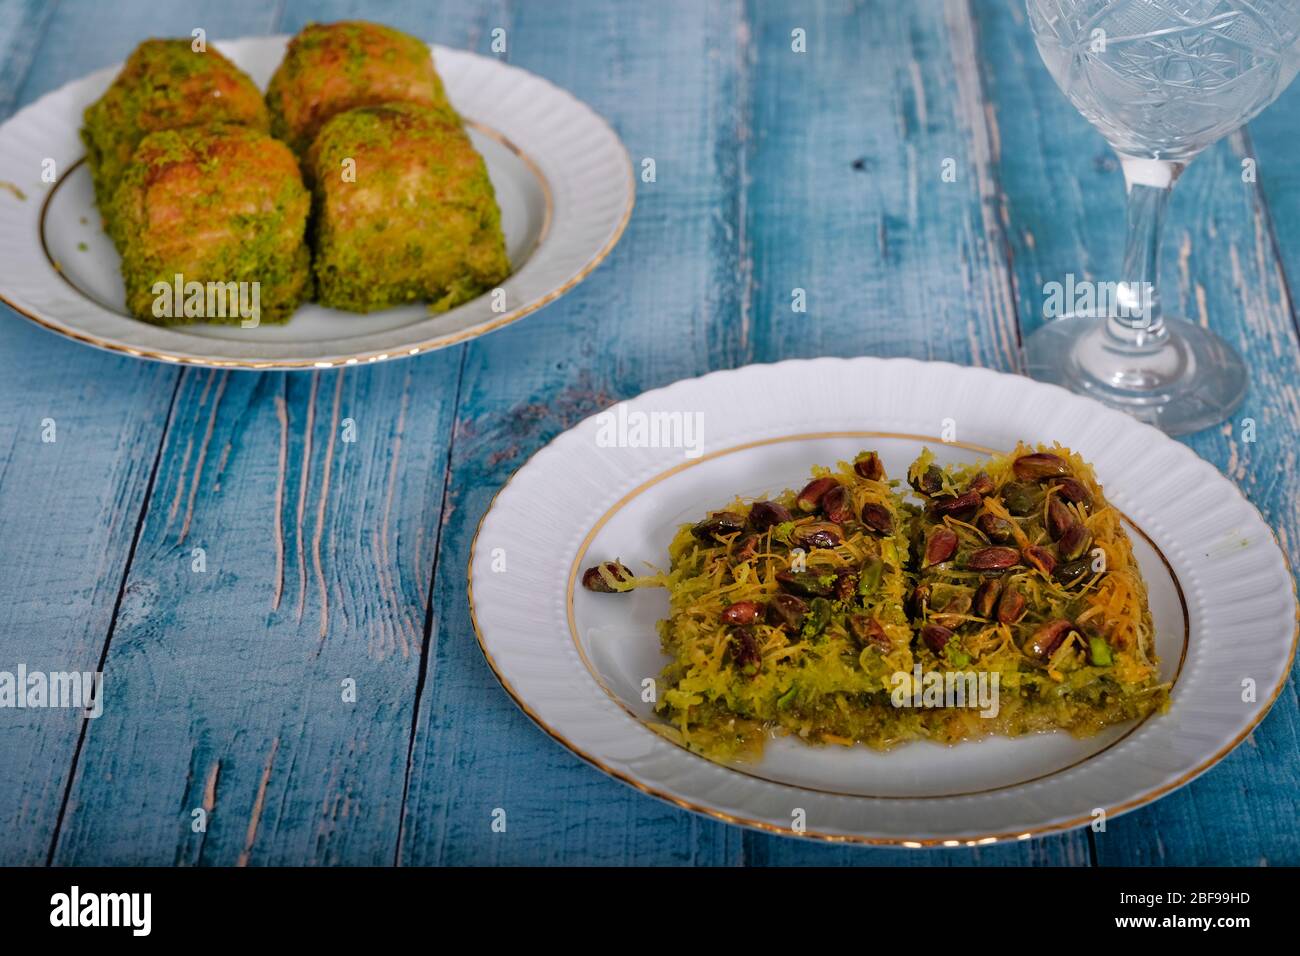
[(667, 304), (1063, 194), (71, 507), (21, 24), (229, 681)]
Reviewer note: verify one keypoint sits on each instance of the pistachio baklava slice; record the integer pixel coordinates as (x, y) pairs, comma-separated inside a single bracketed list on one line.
[(1023, 570), (787, 617)]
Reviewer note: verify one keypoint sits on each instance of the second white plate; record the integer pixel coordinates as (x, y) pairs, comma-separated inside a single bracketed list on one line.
[(562, 177), (1221, 594)]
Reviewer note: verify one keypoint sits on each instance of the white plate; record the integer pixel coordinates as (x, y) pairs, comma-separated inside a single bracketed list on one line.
[(1222, 597), (562, 176)]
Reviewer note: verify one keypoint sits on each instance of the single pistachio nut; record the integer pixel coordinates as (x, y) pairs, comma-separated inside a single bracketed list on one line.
[(1011, 606), (744, 648), (877, 518), (786, 610), (1021, 498), (918, 600), (594, 580), (767, 514), (819, 615), (747, 546), (993, 559), (1074, 491), (873, 569), (837, 505), (811, 497), (1072, 572), (868, 465), (868, 631), (1039, 466), (1040, 559), (742, 612), (998, 530), (940, 545), (1048, 638), (986, 598), (1060, 518), (1074, 542), (718, 525), (805, 583), (927, 482), (819, 534), (936, 637), (981, 484), (962, 506)]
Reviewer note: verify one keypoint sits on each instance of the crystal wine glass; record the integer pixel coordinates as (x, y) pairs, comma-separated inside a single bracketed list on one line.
[(1161, 80)]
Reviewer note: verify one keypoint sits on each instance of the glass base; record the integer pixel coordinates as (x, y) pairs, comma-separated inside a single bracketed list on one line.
[(1180, 378)]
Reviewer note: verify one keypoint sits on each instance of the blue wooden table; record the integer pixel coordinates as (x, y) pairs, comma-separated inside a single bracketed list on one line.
[(328, 560)]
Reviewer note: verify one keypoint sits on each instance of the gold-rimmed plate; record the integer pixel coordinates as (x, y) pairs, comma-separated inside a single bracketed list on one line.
[(562, 178), (619, 485)]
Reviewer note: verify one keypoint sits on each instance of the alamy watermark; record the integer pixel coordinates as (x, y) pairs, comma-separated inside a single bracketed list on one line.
[(933, 689), (208, 300), (1116, 300), (82, 690), (620, 427)]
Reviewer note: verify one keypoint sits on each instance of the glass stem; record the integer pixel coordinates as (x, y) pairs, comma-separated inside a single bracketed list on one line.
[(1137, 324)]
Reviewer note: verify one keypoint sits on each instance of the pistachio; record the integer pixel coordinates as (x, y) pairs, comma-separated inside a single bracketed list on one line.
[(867, 465), (868, 631), (1040, 559), (837, 505), (993, 559), (1021, 499), (805, 583), (926, 482), (742, 612), (1040, 465), (1048, 638), (1060, 518), (1074, 542), (819, 615), (1073, 491), (877, 518), (936, 637), (940, 545), (744, 649), (718, 525), (1099, 652), (786, 610), (918, 600), (819, 534), (846, 586), (986, 598), (995, 529), (811, 497), (1073, 572), (594, 580), (962, 506), (869, 578), (747, 546), (954, 610), (981, 484), (767, 514), (1011, 606)]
